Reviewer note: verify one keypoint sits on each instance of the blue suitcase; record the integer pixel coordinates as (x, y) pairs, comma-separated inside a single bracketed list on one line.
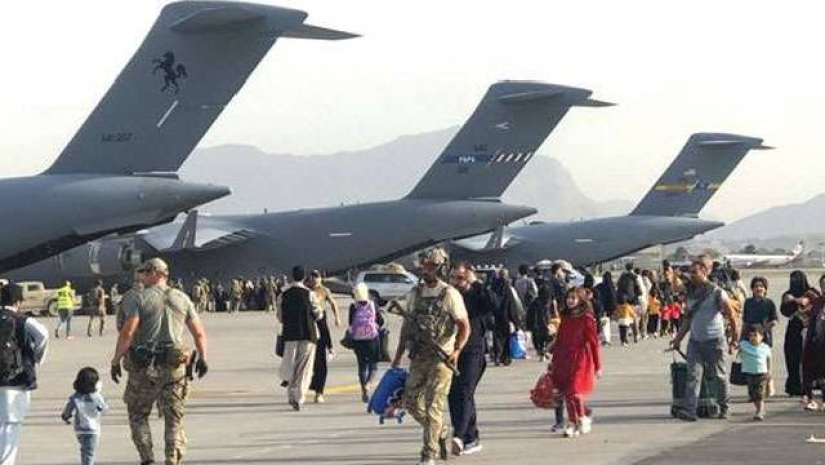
[(387, 400)]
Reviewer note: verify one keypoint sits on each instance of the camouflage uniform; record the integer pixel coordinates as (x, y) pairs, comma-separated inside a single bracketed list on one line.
[(164, 379), (430, 330)]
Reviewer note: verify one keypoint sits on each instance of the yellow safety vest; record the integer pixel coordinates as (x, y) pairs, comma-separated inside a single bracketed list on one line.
[(65, 298)]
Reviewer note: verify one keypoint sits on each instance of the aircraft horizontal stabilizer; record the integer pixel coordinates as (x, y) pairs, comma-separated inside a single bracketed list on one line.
[(732, 142), (196, 235), (306, 31)]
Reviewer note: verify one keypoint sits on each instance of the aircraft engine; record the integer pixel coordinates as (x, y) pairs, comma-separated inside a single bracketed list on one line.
[(100, 259)]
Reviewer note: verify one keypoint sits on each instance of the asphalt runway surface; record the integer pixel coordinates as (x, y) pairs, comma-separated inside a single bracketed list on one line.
[(239, 415)]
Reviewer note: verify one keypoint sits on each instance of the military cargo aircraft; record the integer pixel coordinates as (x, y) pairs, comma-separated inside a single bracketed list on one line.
[(458, 197), (667, 214), (118, 172)]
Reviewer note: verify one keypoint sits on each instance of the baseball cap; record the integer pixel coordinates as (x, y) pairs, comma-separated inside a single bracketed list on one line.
[(154, 264)]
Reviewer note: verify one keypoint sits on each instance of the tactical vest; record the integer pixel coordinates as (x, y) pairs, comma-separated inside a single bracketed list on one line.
[(429, 326)]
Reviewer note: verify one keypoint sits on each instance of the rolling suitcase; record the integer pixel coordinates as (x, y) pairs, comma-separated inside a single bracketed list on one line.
[(387, 400), (707, 406)]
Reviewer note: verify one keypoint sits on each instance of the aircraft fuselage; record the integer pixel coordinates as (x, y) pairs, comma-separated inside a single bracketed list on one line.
[(587, 242), (47, 214)]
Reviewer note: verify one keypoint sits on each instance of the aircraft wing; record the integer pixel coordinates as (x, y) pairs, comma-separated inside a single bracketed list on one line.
[(496, 240), (196, 235)]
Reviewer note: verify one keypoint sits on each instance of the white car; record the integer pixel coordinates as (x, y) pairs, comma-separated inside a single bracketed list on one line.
[(387, 285)]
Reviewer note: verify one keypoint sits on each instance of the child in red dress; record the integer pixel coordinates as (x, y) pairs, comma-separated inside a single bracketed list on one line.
[(576, 359)]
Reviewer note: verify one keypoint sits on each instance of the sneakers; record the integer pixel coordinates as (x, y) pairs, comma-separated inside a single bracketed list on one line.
[(759, 417), (724, 414), (812, 406), (558, 428), (319, 399), (571, 432), (426, 462), (586, 425), (472, 448), (457, 446), (295, 405)]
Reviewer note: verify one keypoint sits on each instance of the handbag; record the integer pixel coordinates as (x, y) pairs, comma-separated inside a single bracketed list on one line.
[(347, 342), (279, 345), (737, 378)]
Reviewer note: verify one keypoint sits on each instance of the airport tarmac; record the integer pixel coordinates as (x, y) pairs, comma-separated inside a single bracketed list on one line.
[(239, 415)]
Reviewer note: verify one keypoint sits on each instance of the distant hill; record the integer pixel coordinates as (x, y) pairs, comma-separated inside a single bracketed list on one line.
[(790, 221), (389, 171)]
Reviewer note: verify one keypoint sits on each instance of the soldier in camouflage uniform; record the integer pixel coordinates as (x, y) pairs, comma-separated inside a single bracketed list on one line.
[(436, 329), (155, 356)]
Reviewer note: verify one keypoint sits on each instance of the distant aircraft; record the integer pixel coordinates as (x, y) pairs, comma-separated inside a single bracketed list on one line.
[(667, 214), (757, 260), (117, 173), (458, 197)]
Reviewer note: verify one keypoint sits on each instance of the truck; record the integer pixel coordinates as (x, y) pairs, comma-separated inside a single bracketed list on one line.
[(39, 301)]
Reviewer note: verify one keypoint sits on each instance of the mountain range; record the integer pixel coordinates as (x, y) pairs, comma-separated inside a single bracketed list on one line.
[(792, 221), (277, 182)]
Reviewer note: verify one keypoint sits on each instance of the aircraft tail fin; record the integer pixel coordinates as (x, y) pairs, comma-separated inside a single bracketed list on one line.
[(696, 174), (508, 126), (191, 64)]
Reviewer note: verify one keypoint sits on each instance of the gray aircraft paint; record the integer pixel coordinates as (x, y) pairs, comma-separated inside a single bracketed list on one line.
[(665, 215), (336, 239), (116, 174)]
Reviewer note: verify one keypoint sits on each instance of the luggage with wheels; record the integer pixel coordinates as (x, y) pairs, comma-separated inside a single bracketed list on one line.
[(387, 400), (707, 406)]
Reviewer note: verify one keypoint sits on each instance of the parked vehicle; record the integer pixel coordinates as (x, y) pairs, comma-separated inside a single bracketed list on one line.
[(38, 300)]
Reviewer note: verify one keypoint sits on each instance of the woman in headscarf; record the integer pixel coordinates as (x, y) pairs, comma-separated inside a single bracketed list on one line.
[(813, 355), (796, 305)]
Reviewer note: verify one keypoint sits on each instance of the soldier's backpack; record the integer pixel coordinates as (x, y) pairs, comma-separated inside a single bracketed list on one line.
[(11, 347)]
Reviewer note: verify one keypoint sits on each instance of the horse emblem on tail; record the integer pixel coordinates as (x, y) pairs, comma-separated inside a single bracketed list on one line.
[(172, 71)]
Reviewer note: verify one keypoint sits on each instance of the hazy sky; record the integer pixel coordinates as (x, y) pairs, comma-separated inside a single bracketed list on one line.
[(674, 67)]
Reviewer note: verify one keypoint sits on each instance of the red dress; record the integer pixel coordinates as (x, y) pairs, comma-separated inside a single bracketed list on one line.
[(576, 356)]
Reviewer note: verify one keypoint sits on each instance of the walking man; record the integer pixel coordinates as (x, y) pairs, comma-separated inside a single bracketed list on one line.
[(153, 351), (435, 331), (471, 362), (18, 380), (704, 317), (65, 308), (97, 309), (298, 313)]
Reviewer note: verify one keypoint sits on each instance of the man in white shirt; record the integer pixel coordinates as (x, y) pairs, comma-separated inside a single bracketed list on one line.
[(26, 343)]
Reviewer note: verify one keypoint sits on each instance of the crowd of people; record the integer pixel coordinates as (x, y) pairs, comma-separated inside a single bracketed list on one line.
[(456, 322)]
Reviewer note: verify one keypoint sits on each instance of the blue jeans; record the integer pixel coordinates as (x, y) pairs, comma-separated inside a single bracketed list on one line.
[(706, 356), (64, 320), (88, 448)]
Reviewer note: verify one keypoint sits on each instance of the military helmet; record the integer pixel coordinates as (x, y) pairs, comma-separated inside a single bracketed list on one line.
[(436, 256)]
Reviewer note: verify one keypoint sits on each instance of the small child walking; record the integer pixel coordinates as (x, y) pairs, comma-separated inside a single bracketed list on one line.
[(626, 317), (756, 365), (86, 405)]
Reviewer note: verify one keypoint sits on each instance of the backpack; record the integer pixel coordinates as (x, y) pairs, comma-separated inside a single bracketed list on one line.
[(11, 347), (544, 395), (364, 327)]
